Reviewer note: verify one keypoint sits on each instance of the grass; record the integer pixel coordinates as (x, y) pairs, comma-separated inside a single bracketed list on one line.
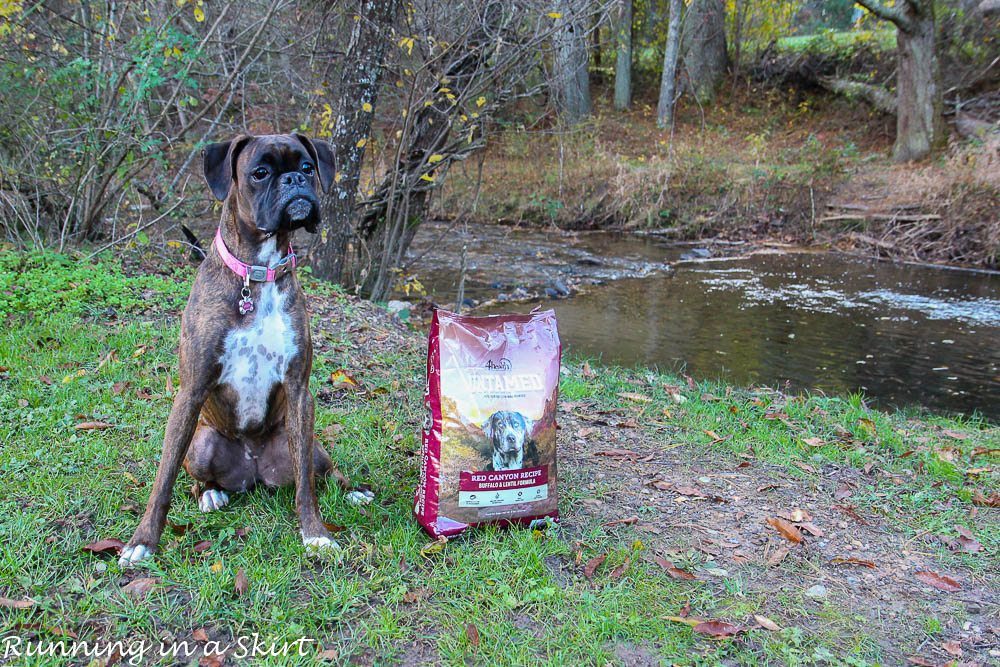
[(832, 41), (490, 597)]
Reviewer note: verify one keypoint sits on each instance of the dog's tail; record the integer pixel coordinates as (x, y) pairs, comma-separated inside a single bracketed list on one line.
[(197, 252)]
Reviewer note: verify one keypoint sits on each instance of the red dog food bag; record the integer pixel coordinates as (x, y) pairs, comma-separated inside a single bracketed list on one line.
[(489, 437)]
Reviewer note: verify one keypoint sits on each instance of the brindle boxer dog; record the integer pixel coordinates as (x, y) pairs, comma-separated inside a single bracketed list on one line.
[(243, 414)]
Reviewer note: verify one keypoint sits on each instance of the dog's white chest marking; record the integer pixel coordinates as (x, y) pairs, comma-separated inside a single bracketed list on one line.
[(256, 357)]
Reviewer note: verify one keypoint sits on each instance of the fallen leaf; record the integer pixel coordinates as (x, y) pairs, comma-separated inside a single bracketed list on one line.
[(843, 491), (952, 647), (105, 546), (434, 547), (787, 530), (673, 570), (472, 632), (916, 660), (958, 435), (811, 528), (985, 451), (216, 567), (330, 655), (632, 396), (334, 528), (620, 570), (717, 629), (212, 660), (779, 555), (979, 499), (626, 521), (849, 510), (585, 431), (7, 603), (202, 546), (119, 387), (241, 585), (90, 426), (140, 587), (868, 425), (686, 621), (23, 402), (661, 485), (592, 565), (618, 453), (45, 379), (853, 561), (941, 582), (340, 379), (586, 371), (766, 623), (804, 466), (416, 595), (814, 442), (200, 635)]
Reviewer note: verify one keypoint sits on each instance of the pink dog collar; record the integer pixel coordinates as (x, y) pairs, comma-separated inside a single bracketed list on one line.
[(252, 272)]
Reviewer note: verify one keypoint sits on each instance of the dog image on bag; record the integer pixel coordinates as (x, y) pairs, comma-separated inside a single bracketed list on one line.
[(509, 437)]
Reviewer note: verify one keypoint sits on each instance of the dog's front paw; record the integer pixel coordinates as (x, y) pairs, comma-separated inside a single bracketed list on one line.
[(132, 554), (212, 500), (360, 497), (320, 545)]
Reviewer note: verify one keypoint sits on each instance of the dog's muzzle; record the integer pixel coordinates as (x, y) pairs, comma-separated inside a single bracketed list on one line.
[(299, 209)]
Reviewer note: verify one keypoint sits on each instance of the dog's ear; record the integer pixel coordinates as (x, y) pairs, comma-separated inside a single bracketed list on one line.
[(322, 154), (219, 161)]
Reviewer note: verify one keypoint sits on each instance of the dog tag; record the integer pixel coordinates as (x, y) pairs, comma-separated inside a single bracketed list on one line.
[(246, 303)]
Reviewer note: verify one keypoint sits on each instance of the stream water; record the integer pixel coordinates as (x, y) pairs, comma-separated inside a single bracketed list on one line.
[(904, 335)]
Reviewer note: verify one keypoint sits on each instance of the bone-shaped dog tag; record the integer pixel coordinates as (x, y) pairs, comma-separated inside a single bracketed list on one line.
[(246, 303)]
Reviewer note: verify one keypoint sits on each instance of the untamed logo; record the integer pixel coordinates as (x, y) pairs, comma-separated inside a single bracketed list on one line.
[(501, 365)]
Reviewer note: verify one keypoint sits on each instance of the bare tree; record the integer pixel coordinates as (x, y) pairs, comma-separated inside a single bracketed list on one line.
[(919, 125), (668, 79), (358, 93), (623, 64), (704, 46), (572, 76)]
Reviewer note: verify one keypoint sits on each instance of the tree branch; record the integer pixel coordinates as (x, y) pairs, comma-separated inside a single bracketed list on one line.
[(891, 14)]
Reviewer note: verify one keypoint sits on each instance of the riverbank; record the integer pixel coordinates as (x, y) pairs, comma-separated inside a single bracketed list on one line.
[(761, 164), (821, 530)]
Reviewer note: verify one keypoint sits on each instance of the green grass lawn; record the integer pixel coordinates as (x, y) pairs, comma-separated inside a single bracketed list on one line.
[(882, 39), (507, 597)]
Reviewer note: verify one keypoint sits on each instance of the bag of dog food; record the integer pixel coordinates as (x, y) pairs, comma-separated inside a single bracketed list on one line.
[(489, 436)]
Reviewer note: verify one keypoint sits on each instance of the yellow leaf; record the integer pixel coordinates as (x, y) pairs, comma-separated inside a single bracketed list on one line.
[(366, 107), (434, 547), (361, 142), (425, 177), (481, 101), (216, 567), (434, 159), (338, 177), (173, 244), (554, 15), (199, 14)]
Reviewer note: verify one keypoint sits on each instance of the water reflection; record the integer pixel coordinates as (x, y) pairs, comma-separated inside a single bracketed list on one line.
[(903, 335)]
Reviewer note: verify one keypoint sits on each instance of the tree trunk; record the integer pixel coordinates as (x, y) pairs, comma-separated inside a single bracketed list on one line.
[(919, 124), (358, 92), (623, 66), (668, 81), (572, 85), (704, 47)]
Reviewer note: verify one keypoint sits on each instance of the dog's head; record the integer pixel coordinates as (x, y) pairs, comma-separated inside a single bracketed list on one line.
[(508, 431), (272, 181)]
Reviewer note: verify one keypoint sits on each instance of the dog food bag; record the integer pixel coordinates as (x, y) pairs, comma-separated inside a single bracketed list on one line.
[(489, 437)]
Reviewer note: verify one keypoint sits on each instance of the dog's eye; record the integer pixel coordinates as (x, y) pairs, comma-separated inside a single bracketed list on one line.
[(306, 168), (259, 174)]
